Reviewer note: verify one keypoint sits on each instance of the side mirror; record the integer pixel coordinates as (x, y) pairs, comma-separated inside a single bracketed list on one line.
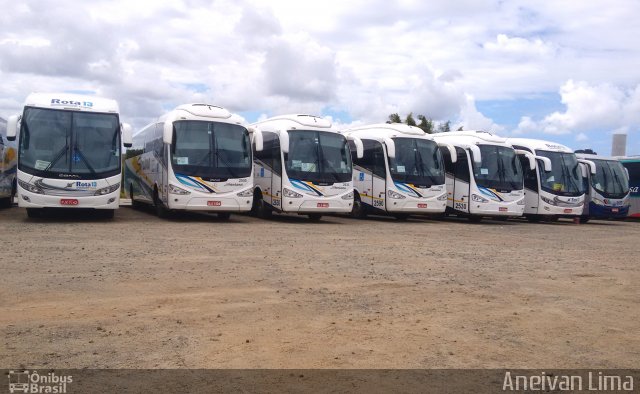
[(391, 147), (546, 162), (532, 159), (592, 165), (359, 146), (167, 132), (477, 156), (583, 170), (12, 127), (127, 139), (284, 141), (258, 139), (452, 151)]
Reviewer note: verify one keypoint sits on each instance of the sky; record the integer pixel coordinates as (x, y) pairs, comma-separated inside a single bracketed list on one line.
[(565, 71)]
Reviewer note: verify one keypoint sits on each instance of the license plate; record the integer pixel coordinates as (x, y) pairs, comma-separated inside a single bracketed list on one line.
[(214, 203), (503, 209), (615, 210), (422, 205), (68, 201), (568, 210), (323, 205)]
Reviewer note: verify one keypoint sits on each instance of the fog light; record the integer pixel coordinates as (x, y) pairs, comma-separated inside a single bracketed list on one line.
[(112, 199), (25, 198)]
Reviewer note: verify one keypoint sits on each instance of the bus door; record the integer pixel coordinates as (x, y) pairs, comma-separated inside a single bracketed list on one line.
[(531, 198), (462, 182)]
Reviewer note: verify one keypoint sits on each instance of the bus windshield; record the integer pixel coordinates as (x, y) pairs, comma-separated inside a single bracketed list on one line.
[(69, 144), (500, 168), (418, 161), (211, 150), (565, 177), (610, 179), (318, 157)]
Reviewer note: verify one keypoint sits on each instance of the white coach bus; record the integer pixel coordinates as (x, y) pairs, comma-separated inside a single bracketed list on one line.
[(8, 164), (401, 171), (196, 157), (486, 179), (554, 188), (606, 190), (303, 166), (69, 152)]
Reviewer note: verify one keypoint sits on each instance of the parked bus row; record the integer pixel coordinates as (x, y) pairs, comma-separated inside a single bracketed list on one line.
[(202, 157)]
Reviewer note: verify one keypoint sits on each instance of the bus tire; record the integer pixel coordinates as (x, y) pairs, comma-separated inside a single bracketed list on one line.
[(106, 213), (584, 219), (358, 211), (34, 213), (224, 215), (475, 219), (262, 209), (161, 210), (533, 218), (315, 217)]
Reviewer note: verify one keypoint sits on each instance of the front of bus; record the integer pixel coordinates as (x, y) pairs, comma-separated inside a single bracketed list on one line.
[(499, 180), (417, 176), (561, 189), (609, 193), (210, 167), (318, 173), (69, 158)]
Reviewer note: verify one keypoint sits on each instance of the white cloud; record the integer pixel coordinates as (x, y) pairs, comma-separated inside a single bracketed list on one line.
[(588, 107)]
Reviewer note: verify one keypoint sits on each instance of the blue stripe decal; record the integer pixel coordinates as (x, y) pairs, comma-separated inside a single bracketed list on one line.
[(403, 187), (185, 180)]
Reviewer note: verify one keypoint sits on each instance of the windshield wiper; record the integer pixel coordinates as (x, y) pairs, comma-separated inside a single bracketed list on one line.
[(84, 159), (59, 155)]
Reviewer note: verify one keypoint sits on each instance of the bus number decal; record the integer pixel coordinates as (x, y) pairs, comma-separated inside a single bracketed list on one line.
[(276, 202), (378, 203), (462, 206)]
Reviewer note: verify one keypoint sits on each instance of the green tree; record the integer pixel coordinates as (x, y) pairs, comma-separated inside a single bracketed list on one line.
[(409, 120), (444, 127), (394, 118), (425, 124)]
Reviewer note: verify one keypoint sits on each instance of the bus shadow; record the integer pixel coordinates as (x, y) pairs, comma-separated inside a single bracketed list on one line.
[(66, 215), (189, 216)]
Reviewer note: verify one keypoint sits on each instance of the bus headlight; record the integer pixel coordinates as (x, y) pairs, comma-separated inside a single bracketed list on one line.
[(598, 201), (30, 187), (443, 197), (348, 196), (395, 195), (290, 193), (107, 190), (173, 189), (477, 198), (245, 193)]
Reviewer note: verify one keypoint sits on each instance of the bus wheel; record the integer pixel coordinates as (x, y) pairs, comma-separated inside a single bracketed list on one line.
[(533, 218), (358, 211), (262, 209), (401, 216), (315, 217), (106, 213), (224, 215), (34, 213), (161, 210), (584, 219)]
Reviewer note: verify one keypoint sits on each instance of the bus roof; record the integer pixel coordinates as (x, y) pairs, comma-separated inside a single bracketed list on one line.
[(535, 144), (295, 121), (595, 157), (70, 101), (387, 130), (201, 111), (477, 137)]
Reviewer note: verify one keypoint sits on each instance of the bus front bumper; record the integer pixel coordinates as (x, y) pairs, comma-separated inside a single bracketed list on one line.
[(213, 203), (28, 199), (567, 211), (492, 208), (335, 204), (417, 206), (607, 211)]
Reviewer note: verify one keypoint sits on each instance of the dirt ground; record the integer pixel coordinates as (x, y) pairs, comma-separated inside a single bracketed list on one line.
[(197, 292)]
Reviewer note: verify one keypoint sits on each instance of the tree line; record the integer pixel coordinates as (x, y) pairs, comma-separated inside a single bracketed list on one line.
[(424, 123)]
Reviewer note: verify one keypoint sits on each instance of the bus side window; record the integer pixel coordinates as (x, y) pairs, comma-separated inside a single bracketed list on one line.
[(530, 176), (352, 149), (270, 154), (379, 165), (373, 158), (276, 155), (462, 165)]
